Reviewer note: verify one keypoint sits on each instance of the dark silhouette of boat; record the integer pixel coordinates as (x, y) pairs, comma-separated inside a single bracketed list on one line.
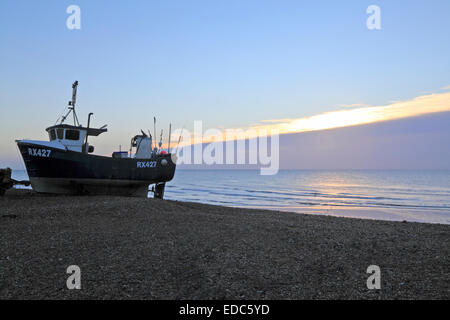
[(65, 164)]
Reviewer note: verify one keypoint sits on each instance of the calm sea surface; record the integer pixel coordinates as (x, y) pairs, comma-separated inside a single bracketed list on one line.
[(387, 195)]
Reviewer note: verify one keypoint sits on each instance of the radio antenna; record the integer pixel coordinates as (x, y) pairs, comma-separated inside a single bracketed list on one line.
[(160, 139), (154, 129), (170, 130), (179, 139)]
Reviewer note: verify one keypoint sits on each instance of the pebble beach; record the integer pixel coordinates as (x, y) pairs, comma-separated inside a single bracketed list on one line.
[(137, 248)]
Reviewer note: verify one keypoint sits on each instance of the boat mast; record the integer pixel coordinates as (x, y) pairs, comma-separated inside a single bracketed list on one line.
[(72, 105)]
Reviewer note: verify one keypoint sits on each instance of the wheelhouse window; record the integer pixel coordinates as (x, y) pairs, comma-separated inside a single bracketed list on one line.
[(60, 133), (72, 135), (52, 135)]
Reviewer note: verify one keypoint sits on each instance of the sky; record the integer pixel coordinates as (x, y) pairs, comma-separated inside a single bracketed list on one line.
[(296, 65), (413, 143)]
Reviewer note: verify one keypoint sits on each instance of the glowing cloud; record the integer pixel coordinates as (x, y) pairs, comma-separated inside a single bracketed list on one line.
[(425, 104), (342, 118)]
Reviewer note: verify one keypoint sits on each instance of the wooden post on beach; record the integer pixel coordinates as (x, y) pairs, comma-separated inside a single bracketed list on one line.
[(6, 182)]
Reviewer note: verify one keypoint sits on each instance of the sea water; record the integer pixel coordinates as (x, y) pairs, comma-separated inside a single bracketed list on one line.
[(422, 196)]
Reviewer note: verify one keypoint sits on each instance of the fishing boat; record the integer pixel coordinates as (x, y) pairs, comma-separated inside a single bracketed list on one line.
[(66, 164)]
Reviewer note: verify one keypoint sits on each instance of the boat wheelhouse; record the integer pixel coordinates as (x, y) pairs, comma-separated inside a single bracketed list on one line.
[(74, 138)]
